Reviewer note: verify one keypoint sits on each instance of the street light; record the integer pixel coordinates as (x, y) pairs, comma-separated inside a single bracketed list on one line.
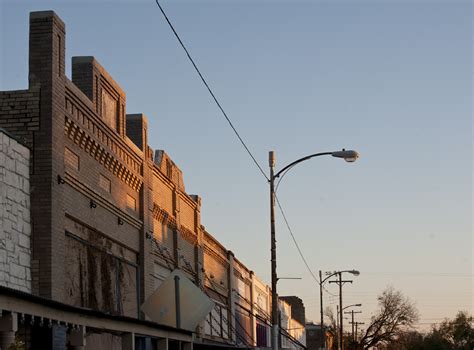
[(340, 282), (352, 312), (321, 283), (348, 306), (349, 156)]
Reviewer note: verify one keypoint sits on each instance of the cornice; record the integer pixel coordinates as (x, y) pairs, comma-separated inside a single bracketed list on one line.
[(101, 155), (164, 217), (188, 235), (89, 117), (216, 256)]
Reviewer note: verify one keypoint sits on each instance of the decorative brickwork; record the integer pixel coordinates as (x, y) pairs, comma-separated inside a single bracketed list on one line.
[(164, 217), (91, 123), (110, 218), (101, 155), (188, 235)]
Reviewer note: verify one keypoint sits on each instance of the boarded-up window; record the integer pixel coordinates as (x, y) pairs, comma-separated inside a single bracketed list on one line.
[(104, 183), (98, 279), (109, 109), (71, 159)]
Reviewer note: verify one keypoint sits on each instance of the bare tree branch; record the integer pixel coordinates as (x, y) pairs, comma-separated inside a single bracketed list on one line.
[(396, 313)]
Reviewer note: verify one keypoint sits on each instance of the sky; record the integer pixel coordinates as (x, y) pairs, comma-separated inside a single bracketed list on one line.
[(390, 79)]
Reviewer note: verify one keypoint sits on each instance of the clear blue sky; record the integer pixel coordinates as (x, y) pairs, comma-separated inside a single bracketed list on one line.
[(392, 79)]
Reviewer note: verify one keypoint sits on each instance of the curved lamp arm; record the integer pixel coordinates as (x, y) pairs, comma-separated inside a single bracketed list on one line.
[(348, 306), (349, 156), (354, 272)]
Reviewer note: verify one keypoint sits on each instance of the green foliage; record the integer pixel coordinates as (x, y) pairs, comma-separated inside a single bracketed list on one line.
[(457, 334)]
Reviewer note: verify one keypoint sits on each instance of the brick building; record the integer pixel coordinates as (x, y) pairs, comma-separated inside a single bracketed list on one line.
[(111, 219)]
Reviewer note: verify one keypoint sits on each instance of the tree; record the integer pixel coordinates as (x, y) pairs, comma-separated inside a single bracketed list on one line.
[(409, 340), (456, 334), (332, 324), (396, 314)]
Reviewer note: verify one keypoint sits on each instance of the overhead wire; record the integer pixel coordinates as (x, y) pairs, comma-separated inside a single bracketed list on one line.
[(297, 245), (164, 254), (294, 239), (209, 89), (236, 133)]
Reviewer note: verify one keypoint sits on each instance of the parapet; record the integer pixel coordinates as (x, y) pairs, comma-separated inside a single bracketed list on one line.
[(164, 163), (105, 93)]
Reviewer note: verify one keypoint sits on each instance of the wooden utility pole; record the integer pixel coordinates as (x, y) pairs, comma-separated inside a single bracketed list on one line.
[(352, 312), (356, 324)]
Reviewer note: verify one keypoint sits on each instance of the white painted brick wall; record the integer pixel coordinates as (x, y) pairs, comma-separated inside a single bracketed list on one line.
[(15, 225)]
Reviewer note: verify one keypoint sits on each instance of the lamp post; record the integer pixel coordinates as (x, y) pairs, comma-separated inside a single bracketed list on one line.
[(349, 156), (352, 312), (321, 283)]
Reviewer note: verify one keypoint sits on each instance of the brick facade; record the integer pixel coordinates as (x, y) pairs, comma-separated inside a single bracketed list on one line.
[(111, 217), (19, 113)]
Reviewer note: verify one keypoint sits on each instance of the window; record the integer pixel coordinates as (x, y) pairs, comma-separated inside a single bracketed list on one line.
[(261, 335), (104, 183), (71, 159)]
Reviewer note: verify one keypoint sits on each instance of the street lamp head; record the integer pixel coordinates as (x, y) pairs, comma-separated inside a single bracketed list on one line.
[(349, 156), (355, 272), (358, 305)]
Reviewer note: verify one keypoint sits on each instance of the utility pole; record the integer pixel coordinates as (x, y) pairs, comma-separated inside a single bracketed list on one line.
[(340, 282), (337, 326), (321, 283), (271, 161), (356, 324), (323, 334), (353, 312), (349, 156)]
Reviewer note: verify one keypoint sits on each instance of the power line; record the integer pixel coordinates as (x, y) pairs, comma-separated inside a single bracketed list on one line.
[(420, 274), (297, 245), (294, 240), (235, 131), (210, 91)]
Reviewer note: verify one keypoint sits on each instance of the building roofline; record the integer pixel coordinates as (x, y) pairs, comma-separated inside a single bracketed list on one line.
[(16, 138)]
